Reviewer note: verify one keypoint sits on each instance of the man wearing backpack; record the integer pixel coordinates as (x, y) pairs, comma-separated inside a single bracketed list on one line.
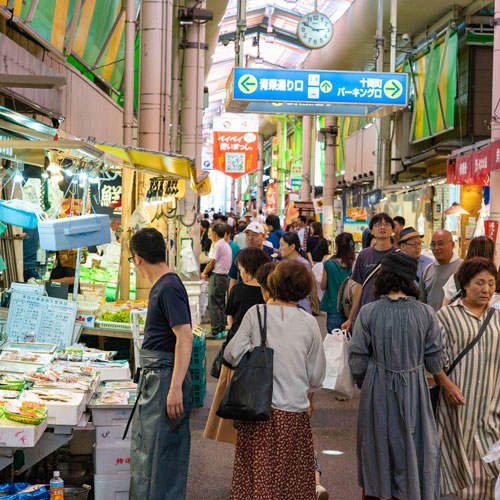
[(368, 264)]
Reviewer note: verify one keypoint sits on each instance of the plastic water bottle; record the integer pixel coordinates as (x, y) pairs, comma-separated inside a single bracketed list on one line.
[(56, 487)]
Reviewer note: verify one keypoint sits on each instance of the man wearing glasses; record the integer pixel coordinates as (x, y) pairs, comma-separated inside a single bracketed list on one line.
[(436, 275), (367, 264), (410, 242)]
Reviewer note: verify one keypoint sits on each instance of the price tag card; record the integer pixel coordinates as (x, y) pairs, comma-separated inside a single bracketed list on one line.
[(49, 319)]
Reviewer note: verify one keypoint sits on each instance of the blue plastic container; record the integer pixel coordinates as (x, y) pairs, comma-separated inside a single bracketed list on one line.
[(17, 217)]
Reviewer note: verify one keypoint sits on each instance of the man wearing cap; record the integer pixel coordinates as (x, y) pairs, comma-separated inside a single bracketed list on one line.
[(410, 242), (255, 236)]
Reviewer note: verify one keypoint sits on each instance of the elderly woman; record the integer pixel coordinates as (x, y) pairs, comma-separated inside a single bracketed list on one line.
[(468, 415), (395, 340), (275, 459)]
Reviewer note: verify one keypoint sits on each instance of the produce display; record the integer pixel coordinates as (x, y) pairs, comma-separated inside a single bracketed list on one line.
[(120, 316), (24, 412)]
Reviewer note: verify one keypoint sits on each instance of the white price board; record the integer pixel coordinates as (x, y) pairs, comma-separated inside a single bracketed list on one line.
[(51, 320)]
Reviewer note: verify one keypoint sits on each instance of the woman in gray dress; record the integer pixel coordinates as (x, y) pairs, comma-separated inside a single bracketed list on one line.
[(396, 339)]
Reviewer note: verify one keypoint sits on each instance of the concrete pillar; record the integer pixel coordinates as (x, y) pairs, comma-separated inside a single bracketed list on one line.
[(191, 119), (260, 175), (495, 128), (329, 179), (128, 139), (305, 189), (280, 193)]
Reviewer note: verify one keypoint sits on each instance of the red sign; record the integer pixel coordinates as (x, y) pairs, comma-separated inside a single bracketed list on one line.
[(495, 155), (480, 168), (491, 229), (271, 196), (236, 146), (463, 167), (450, 171)]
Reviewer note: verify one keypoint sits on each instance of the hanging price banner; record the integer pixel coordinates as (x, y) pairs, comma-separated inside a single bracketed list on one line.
[(491, 229)]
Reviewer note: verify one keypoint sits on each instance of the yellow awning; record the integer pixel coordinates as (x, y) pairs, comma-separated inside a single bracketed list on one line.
[(153, 161)]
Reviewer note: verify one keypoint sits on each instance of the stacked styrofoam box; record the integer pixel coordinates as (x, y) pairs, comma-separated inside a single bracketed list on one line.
[(111, 454)]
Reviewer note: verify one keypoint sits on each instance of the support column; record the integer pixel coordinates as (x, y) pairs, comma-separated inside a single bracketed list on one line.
[(128, 139), (234, 206), (495, 126), (280, 193), (305, 189), (260, 175), (329, 179), (191, 119)]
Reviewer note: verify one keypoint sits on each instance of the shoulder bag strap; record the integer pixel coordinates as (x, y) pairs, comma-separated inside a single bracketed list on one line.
[(476, 339), (262, 328), (372, 274)]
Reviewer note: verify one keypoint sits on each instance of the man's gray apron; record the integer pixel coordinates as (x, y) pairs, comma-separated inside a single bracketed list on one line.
[(159, 455)]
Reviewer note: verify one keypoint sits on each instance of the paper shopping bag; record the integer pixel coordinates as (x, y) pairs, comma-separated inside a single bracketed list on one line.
[(338, 374)]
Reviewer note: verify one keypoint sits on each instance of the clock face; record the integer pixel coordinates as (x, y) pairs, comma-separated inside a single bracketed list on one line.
[(315, 30)]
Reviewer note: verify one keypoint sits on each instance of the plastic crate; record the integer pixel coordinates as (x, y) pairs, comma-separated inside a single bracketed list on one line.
[(111, 325), (198, 355), (199, 390), (198, 374)]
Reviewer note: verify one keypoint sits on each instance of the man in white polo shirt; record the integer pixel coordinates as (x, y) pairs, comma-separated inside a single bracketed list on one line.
[(217, 269)]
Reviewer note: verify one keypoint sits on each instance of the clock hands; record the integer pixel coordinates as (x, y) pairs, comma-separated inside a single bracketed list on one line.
[(312, 27)]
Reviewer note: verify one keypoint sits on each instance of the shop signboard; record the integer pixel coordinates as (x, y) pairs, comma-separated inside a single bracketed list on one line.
[(271, 194), (495, 155), (356, 215), (235, 149), (491, 229), (463, 167), (204, 187), (318, 208), (296, 176)]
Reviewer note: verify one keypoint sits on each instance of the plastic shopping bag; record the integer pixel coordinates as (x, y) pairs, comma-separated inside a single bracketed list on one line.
[(492, 456), (338, 374)]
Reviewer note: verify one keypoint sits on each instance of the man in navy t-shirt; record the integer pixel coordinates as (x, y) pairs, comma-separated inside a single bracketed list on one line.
[(160, 433)]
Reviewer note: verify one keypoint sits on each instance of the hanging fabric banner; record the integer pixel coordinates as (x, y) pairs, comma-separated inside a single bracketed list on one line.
[(463, 167), (236, 145), (480, 168), (495, 155), (491, 229), (450, 171)]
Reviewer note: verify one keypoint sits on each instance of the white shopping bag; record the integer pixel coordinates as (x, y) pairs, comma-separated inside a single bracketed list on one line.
[(492, 456), (338, 374)]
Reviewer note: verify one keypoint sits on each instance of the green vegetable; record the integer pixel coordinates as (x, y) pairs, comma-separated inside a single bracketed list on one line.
[(121, 316)]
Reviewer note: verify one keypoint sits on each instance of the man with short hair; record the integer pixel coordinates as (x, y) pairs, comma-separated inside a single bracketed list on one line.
[(368, 263), (217, 269), (410, 242), (274, 231), (159, 453), (255, 236), (437, 274), (303, 231), (399, 224)]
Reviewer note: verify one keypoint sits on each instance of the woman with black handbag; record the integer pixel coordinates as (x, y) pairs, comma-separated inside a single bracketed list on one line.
[(241, 298), (275, 458), (468, 412)]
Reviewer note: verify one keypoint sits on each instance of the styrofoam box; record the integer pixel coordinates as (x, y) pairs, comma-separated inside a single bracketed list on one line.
[(111, 486), (16, 435), (115, 373), (74, 232), (61, 413), (110, 416), (111, 435), (111, 459)]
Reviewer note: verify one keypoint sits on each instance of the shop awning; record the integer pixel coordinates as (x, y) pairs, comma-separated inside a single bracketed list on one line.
[(24, 126), (155, 162)]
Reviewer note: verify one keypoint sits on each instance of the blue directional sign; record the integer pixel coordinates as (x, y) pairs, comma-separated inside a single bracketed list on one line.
[(319, 87)]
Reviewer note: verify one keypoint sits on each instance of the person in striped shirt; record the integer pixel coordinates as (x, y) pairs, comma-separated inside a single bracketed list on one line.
[(468, 414)]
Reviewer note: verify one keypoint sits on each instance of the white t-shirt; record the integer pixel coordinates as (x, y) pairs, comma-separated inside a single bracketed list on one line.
[(301, 232)]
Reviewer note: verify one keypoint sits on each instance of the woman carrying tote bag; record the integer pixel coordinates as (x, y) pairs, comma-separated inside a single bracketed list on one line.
[(275, 458)]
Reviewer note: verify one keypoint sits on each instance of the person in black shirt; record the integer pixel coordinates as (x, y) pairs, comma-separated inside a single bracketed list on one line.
[(242, 297), (160, 433), (317, 246)]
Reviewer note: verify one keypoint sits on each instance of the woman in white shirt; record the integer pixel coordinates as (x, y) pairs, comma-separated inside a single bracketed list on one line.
[(275, 459)]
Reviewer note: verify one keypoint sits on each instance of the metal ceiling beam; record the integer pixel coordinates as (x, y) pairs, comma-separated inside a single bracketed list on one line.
[(32, 81), (108, 38), (71, 30), (475, 6)]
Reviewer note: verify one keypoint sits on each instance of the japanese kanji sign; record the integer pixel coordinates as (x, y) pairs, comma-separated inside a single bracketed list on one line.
[(235, 145), (320, 87)]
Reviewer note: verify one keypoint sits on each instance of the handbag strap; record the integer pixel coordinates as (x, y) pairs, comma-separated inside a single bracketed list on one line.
[(262, 328), (476, 339), (372, 274)]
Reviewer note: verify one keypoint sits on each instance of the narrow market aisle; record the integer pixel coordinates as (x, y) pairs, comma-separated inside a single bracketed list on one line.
[(334, 429)]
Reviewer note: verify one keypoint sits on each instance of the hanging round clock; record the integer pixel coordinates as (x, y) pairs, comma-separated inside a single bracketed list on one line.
[(315, 30)]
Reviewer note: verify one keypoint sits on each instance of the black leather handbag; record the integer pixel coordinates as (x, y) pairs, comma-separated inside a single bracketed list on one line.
[(249, 393), (435, 390)]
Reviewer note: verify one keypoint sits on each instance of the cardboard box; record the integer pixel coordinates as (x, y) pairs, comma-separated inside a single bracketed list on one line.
[(111, 487)]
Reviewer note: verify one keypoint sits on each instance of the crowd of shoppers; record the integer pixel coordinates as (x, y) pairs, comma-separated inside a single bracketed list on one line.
[(411, 317)]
